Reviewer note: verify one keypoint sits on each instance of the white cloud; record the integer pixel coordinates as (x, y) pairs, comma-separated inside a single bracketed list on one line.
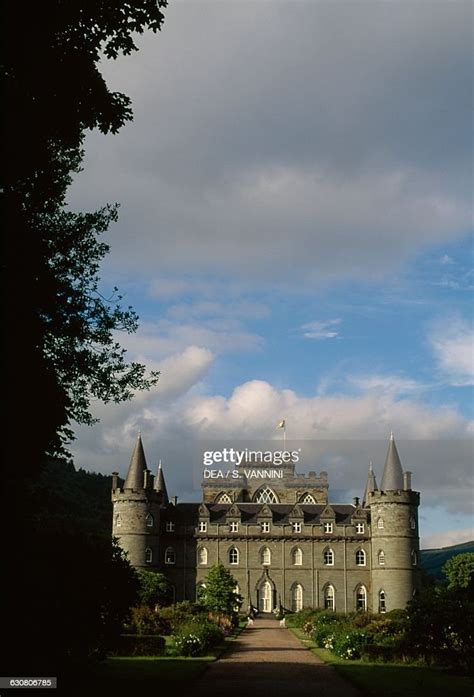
[(385, 384), (434, 443), (156, 340), (321, 329), (452, 341), (448, 538), (180, 372)]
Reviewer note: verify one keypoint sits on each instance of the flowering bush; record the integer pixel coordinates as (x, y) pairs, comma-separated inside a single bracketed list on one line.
[(194, 639), (320, 635), (351, 643), (189, 644)]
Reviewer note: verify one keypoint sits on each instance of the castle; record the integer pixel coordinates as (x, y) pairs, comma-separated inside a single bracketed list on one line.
[(284, 543)]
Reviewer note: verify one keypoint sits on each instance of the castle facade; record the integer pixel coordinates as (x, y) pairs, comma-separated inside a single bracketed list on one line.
[(285, 544)]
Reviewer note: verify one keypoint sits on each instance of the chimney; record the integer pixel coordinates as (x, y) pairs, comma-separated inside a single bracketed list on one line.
[(147, 479), (407, 481), (355, 501), (114, 480), (174, 500)]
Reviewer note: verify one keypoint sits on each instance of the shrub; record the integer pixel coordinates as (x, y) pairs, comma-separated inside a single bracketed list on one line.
[(144, 620), (180, 613), (194, 639), (323, 636), (350, 644), (140, 645)]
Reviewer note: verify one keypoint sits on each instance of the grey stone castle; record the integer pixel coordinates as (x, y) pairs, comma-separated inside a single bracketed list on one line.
[(285, 544)]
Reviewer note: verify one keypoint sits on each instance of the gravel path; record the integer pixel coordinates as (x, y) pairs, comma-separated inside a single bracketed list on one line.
[(267, 659)]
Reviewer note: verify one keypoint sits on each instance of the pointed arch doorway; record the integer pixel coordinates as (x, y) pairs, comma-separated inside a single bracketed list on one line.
[(265, 597)]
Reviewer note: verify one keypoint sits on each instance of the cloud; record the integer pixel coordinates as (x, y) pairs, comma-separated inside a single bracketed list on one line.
[(448, 538), (156, 340), (385, 384), (338, 433), (452, 342), (321, 329), (310, 165), (180, 372)]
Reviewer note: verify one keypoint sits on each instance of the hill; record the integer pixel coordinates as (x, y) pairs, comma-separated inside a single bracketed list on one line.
[(432, 560), (71, 501)]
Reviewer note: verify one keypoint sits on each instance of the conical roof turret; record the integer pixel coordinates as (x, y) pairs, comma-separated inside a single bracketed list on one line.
[(137, 467), (371, 485), (392, 478), (160, 484)]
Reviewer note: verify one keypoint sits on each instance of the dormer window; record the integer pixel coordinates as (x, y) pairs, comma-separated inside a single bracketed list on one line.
[(328, 528), (265, 526), (234, 526), (296, 527), (360, 528), (202, 526), (170, 526)]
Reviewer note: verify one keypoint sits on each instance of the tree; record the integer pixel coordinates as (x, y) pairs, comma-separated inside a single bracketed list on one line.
[(58, 346), (218, 593), (57, 340), (154, 588), (459, 571)]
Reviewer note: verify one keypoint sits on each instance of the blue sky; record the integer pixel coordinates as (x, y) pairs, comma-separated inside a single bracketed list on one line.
[(296, 235)]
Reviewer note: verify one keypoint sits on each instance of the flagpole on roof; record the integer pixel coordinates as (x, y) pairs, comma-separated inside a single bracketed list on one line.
[(282, 424)]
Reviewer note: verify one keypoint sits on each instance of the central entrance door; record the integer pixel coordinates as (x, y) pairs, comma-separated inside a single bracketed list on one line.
[(265, 596)]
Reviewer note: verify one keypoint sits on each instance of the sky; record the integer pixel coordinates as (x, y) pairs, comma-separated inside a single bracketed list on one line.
[(295, 234)]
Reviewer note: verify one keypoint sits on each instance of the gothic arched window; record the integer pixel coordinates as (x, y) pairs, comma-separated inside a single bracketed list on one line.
[(170, 555), (328, 557), (233, 556), (361, 598), (265, 495), (265, 556), (297, 597), (202, 555), (329, 598), (360, 557), (307, 498), (297, 557)]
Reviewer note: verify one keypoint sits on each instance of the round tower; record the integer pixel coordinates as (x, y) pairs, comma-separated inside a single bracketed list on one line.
[(395, 536), (136, 511)]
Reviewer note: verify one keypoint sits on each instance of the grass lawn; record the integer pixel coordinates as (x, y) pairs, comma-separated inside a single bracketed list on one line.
[(126, 674), (394, 679)]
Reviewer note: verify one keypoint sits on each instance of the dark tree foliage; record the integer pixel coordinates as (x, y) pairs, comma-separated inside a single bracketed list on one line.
[(57, 328), (62, 591)]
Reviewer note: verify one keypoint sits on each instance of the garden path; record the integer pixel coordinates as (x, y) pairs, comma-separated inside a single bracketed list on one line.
[(268, 660)]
